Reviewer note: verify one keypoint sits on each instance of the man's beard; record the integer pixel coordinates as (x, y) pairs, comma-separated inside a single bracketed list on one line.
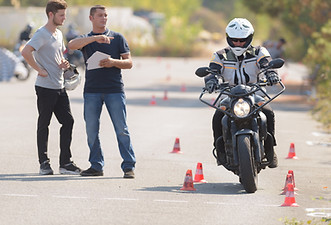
[(56, 23)]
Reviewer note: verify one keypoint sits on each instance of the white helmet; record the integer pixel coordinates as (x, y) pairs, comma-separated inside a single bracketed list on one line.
[(71, 78), (239, 28)]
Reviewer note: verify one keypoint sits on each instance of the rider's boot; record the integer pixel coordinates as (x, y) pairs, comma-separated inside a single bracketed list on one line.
[(221, 157), (270, 152), (274, 163)]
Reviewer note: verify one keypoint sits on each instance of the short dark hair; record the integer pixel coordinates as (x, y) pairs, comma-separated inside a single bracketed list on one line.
[(55, 5), (94, 8)]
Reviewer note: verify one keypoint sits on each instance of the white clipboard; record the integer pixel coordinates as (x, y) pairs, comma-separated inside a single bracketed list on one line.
[(94, 60)]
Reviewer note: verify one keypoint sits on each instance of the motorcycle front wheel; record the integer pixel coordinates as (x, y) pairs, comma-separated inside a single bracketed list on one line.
[(22, 77), (248, 171)]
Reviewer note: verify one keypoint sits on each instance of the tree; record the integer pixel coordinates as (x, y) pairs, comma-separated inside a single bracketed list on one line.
[(310, 21), (302, 17), (179, 34), (318, 57)]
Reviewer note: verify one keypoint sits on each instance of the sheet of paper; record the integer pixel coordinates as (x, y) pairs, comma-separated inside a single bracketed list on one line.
[(93, 61)]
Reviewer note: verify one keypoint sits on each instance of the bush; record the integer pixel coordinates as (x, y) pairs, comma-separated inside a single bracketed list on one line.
[(318, 57)]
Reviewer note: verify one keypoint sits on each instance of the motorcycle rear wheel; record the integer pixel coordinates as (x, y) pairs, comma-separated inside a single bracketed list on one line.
[(248, 170)]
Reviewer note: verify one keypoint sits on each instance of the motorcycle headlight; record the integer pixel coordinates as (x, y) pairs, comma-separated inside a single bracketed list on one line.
[(241, 108)]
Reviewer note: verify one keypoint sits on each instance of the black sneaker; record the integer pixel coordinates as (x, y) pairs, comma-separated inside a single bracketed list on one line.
[(70, 169), (274, 163), (45, 168), (128, 174), (91, 172)]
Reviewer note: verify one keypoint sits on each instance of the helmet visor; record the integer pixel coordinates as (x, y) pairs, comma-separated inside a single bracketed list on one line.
[(247, 41), (238, 40)]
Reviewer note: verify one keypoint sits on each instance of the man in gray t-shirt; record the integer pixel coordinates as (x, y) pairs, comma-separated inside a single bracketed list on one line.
[(48, 54), (44, 53)]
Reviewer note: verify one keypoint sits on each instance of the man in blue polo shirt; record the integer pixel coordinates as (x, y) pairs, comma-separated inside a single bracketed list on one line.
[(105, 53)]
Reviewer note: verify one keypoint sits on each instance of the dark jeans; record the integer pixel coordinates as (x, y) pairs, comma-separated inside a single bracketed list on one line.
[(51, 101), (217, 123)]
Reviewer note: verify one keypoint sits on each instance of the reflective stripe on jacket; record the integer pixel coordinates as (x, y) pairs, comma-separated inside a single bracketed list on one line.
[(243, 69)]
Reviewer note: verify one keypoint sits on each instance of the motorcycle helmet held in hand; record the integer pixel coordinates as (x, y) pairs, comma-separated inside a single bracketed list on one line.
[(71, 78), (239, 29)]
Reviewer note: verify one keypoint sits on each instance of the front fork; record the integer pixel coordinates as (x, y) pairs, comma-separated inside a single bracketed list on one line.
[(230, 133)]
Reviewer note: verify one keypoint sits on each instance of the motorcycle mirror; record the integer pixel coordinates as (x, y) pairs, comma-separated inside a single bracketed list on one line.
[(202, 71), (276, 63)]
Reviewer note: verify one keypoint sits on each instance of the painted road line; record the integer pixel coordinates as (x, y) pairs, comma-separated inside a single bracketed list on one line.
[(123, 199), (221, 203), (19, 195), (171, 201), (325, 144), (319, 134), (69, 197), (229, 203), (319, 212)]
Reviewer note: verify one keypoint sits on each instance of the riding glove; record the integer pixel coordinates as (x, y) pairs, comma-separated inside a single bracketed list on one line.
[(211, 83), (263, 63), (272, 77)]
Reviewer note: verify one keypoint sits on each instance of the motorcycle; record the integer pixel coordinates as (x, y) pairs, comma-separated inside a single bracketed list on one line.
[(242, 148), (24, 69), (74, 57), (23, 73)]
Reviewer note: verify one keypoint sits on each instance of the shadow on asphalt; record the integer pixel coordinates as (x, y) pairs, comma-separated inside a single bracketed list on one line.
[(57, 177), (202, 188), (283, 103), (195, 103), (170, 88), (294, 107), (160, 97), (159, 102)]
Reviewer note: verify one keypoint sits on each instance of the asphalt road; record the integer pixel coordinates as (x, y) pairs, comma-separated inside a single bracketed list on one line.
[(154, 196)]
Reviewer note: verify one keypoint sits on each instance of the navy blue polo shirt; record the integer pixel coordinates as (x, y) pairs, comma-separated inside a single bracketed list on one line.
[(105, 80)]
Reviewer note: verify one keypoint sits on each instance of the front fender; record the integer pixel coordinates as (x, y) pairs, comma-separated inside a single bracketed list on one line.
[(262, 121), (254, 141)]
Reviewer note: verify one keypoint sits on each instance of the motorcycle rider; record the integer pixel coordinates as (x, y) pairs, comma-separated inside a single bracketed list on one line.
[(72, 33), (25, 35), (240, 63), (73, 56), (275, 48)]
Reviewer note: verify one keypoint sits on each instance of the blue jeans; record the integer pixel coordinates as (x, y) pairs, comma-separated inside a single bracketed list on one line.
[(115, 103)]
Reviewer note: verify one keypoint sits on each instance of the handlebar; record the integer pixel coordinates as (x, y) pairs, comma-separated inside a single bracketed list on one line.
[(226, 91)]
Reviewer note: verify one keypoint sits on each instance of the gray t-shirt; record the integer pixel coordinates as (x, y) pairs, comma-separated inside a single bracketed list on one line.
[(48, 54)]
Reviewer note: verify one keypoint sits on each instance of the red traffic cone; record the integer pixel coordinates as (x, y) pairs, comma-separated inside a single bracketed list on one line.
[(153, 101), (292, 173), (291, 153), (188, 182), (183, 88), (198, 178), (290, 199), (176, 148), (289, 180), (165, 97)]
